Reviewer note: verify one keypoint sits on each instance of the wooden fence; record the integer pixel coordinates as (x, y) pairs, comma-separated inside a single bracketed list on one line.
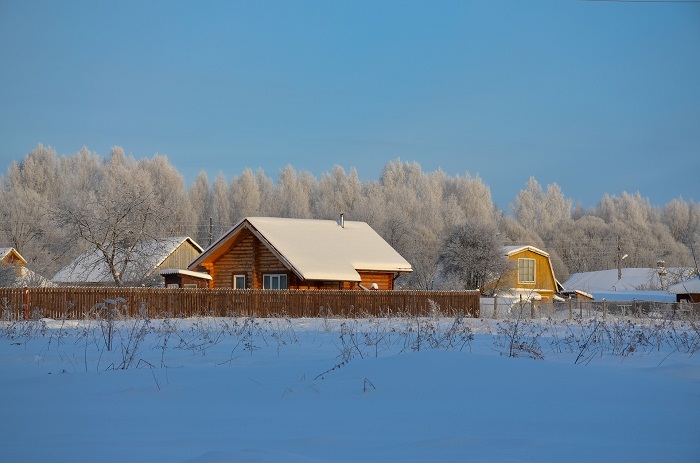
[(78, 303)]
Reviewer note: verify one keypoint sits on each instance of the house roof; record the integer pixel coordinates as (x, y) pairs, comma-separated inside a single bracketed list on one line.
[(511, 250), (189, 273), (691, 286), (90, 267), (5, 252), (606, 280), (639, 295), (316, 249)]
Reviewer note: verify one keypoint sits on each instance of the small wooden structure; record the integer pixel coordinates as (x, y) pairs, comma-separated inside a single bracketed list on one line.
[(146, 261), (532, 275), (179, 278), (688, 291), (281, 253)]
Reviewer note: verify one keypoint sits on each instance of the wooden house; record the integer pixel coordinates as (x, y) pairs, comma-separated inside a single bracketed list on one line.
[(147, 260), (281, 253), (532, 276)]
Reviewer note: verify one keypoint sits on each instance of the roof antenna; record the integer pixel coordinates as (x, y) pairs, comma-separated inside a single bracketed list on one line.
[(342, 220)]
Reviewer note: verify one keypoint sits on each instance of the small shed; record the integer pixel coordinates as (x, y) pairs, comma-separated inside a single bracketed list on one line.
[(180, 278), (688, 290)]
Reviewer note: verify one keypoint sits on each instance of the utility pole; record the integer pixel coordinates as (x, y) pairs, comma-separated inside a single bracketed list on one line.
[(620, 258)]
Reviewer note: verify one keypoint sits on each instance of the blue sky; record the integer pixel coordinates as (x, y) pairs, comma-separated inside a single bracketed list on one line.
[(599, 97)]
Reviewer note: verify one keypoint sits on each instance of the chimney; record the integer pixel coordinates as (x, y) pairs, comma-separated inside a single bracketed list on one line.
[(342, 220)]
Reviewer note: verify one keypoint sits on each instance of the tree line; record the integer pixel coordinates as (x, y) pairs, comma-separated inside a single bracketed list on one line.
[(53, 208)]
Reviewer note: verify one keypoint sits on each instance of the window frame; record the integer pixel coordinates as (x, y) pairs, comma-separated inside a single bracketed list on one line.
[(526, 268), (235, 281), (269, 281)]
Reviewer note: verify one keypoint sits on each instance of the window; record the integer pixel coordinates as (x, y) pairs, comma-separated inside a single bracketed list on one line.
[(526, 270), (190, 286), (275, 281), (239, 282)]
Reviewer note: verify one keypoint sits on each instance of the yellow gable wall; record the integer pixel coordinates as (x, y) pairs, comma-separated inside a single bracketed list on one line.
[(544, 279)]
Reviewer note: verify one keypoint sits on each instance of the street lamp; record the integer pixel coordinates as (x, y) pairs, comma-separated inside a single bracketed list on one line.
[(620, 258), (619, 264)]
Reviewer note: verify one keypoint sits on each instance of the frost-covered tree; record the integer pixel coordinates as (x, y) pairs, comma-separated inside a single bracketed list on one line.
[(221, 209), (683, 221), (474, 255), (200, 200), (293, 194), (171, 194), (244, 195), (541, 211), (27, 194), (337, 192), (111, 212)]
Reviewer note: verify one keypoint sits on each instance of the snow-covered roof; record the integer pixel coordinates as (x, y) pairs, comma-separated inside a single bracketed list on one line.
[(510, 250), (90, 267), (629, 295), (22, 276), (179, 271), (633, 279), (691, 286), (318, 249)]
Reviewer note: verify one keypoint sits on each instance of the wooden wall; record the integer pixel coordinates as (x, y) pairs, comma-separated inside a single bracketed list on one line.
[(180, 258), (544, 279)]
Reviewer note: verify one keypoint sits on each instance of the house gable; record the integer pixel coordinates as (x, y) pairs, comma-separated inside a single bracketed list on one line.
[(10, 256)]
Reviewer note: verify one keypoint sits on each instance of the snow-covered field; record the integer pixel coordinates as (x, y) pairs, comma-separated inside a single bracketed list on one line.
[(330, 390)]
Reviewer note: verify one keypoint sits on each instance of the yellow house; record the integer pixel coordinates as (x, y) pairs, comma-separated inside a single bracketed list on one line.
[(10, 256), (532, 275)]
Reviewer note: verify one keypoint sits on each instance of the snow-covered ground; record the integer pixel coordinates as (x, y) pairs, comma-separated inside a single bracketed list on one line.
[(329, 390)]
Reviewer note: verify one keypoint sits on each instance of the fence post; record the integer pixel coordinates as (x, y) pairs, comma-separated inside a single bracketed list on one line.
[(580, 309), (532, 309), (571, 308), (25, 303), (495, 307), (605, 308)]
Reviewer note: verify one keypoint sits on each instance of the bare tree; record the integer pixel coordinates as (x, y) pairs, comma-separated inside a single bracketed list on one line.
[(112, 213), (473, 253)]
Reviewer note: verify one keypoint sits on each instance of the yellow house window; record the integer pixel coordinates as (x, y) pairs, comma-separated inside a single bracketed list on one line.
[(526, 270)]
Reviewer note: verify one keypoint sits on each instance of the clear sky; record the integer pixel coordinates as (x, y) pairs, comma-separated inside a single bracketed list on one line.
[(599, 97)]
